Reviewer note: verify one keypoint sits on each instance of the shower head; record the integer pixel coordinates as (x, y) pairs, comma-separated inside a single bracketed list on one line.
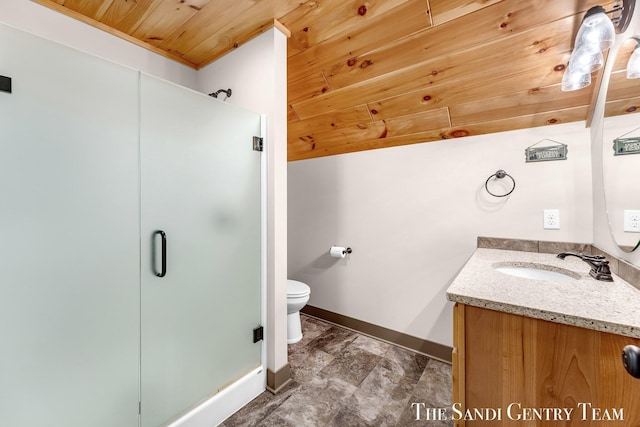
[(219, 91)]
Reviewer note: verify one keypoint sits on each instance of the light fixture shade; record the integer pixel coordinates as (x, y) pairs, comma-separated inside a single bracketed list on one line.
[(584, 60), (633, 66), (596, 31), (574, 80)]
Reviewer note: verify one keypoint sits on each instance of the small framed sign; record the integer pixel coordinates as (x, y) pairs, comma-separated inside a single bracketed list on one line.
[(546, 153), (622, 146)]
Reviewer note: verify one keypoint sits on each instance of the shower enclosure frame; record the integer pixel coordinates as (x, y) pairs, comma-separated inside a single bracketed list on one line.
[(235, 394)]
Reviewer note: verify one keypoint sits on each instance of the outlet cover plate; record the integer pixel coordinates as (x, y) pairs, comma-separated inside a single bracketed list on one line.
[(631, 221), (551, 219)]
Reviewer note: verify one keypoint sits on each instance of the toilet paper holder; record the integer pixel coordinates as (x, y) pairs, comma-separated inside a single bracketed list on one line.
[(339, 251)]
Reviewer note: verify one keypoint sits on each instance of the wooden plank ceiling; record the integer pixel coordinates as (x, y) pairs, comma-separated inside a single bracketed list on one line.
[(623, 94), (366, 74)]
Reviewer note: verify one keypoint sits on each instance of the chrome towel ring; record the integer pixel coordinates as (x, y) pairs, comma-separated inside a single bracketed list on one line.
[(499, 175)]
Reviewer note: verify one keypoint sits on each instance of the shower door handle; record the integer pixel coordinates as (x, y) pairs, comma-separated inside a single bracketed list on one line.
[(163, 250)]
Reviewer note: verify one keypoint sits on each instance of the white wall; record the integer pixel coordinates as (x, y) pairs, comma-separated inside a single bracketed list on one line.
[(55, 26), (257, 75), (412, 215), (601, 231)]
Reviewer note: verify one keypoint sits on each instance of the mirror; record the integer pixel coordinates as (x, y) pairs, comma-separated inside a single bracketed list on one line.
[(622, 171)]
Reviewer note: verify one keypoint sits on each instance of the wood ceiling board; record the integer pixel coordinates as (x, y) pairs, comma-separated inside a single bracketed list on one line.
[(235, 31), (416, 123), (519, 51), (91, 8), (451, 70), (359, 39), (298, 153), (302, 151), (291, 114), (565, 115), (522, 103), (200, 26), (381, 129), (166, 19), (404, 53), (307, 88), (327, 122), (217, 46), (522, 51), (294, 21), (406, 104), (622, 106), (459, 92), (73, 14), (501, 19), (447, 10), (620, 87), (623, 55), (316, 21), (215, 18), (225, 40), (126, 16)]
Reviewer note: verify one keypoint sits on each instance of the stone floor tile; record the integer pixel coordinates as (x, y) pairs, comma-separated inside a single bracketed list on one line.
[(381, 398), (352, 365), (435, 384), (371, 345), (307, 361), (344, 379), (405, 362), (346, 417), (334, 340), (314, 404), (311, 329), (259, 408)]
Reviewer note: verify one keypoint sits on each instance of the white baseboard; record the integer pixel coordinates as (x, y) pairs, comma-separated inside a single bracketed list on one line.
[(225, 403)]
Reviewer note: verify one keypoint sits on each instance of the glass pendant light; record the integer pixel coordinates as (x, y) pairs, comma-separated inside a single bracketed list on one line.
[(596, 31), (633, 66), (586, 60), (574, 80)]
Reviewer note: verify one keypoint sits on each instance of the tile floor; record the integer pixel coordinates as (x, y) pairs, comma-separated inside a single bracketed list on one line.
[(344, 379)]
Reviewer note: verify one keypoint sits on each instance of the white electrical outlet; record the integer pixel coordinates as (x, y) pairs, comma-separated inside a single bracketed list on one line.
[(631, 221), (551, 219)]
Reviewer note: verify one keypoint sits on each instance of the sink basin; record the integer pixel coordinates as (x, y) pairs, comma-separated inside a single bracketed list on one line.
[(537, 272)]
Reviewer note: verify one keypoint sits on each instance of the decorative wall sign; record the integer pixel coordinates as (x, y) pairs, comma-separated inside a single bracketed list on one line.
[(546, 153), (626, 146)]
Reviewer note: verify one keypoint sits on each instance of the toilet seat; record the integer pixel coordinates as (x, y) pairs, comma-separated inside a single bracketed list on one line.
[(297, 289)]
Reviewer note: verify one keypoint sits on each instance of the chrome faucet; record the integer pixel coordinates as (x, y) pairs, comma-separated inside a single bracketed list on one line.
[(599, 265)]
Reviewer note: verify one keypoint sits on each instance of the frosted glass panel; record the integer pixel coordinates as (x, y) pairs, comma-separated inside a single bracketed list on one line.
[(201, 186), (69, 252)]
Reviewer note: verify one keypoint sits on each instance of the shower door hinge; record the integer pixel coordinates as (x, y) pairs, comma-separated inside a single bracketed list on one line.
[(258, 143), (5, 84), (258, 334)]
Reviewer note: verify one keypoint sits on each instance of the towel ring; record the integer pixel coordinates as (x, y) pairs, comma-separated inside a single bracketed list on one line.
[(499, 175)]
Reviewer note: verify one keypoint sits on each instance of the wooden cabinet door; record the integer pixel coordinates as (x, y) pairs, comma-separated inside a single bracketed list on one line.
[(535, 372)]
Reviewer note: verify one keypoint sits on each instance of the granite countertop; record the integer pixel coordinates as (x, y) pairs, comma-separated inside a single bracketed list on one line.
[(604, 306)]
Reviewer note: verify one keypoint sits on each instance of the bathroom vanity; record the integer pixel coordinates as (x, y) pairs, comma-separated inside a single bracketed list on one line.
[(531, 351)]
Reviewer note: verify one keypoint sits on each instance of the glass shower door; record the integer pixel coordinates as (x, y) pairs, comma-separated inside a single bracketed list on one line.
[(69, 251), (200, 242)]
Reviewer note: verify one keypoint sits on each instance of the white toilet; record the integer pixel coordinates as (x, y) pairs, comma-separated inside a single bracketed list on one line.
[(297, 297)]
